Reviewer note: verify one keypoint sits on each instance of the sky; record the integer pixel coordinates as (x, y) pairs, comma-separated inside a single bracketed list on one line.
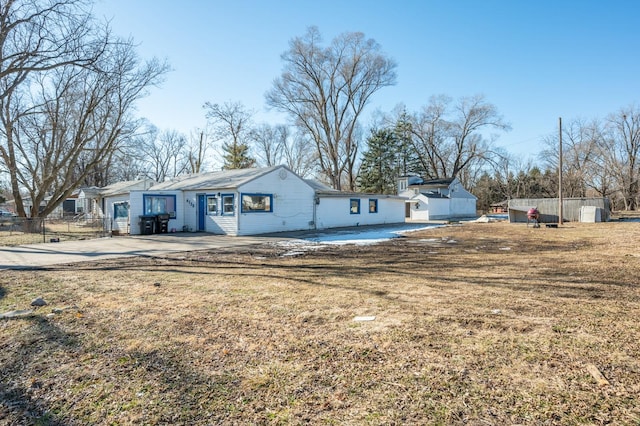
[(535, 60)]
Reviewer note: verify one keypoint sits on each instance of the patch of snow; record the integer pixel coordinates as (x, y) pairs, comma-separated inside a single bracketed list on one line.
[(364, 236)]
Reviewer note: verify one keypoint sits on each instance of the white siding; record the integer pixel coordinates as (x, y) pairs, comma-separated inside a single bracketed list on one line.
[(461, 204), (292, 209), (223, 223), (335, 212), (190, 215), (420, 210), (463, 207), (439, 208), (121, 224), (214, 224), (136, 209)]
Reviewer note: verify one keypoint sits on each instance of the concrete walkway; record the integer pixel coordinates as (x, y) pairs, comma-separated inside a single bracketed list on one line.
[(39, 255)]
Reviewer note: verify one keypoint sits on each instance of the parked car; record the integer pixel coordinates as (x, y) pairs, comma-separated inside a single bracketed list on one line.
[(5, 213)]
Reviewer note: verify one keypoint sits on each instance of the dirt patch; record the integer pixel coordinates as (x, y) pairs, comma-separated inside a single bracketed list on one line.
[(477, 324)]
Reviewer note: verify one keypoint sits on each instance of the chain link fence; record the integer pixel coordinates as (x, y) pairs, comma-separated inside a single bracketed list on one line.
[(19, 230)]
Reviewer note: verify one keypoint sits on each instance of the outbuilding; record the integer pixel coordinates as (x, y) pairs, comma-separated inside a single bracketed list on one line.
[(436, 199), (596, 209)]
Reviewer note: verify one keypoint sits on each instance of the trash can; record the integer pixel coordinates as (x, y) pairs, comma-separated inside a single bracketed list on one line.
[(147, 224), (162, 223)]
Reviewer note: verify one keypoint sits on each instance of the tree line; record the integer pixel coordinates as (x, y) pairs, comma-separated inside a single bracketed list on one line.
[(68, 89), (445, 139)]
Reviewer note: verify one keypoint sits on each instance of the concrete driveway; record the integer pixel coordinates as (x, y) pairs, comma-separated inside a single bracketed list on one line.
[(38, 255)]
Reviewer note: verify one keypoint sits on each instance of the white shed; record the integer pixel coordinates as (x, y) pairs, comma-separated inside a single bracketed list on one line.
[(436, 199)]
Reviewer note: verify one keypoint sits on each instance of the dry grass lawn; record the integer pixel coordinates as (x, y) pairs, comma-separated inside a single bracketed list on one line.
[(481, 324)]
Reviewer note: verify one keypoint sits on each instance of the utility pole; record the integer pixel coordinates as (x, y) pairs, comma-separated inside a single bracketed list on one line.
[(560, 171)]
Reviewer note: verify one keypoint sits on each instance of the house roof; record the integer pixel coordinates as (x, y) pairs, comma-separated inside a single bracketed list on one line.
[(214, 180), (343, 194), (319, 186), (436, 182), (432, 194), (125, 187), (89, 191)]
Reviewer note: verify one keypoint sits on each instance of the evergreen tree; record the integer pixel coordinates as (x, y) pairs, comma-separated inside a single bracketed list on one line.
[(379, 169), (236, 156), (407, 158)]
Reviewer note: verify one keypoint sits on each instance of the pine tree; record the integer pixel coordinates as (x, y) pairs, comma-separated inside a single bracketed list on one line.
[(236, 156), (408, 160), (379, 169)]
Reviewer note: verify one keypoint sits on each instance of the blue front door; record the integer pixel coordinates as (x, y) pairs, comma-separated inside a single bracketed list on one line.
[(202, 211)]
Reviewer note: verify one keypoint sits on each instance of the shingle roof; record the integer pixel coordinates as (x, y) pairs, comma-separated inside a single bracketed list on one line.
[(433, 194), (437, 182), (221, 179), (319, 186), (125, 187)]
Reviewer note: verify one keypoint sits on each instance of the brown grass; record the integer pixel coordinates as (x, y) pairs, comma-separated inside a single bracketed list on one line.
[(475, 324)]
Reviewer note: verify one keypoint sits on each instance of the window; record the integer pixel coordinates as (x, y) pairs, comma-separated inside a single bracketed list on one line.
[(252, 203), (155, 204), (355, 206), (121, 210), (212, 205), (227, 204), (373, 205)]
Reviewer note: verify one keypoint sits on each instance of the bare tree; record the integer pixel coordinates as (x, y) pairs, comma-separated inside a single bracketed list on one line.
[(325, 90), (231, 123), (269, 142), (451, 137), (583, 171), (165, 154), (279, 145), (297, 155), (40, 35), (430, 130), (197, 147), (59, 116), (623, 142)]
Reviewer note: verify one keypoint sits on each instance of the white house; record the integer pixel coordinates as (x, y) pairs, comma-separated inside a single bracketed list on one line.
[(88, 202), (69, 207), (114, 203), (256, 201), (436, 199)]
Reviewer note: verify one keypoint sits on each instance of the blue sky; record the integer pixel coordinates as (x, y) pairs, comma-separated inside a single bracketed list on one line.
[(535, 60)]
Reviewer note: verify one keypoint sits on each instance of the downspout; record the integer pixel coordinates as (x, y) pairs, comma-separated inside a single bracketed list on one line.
[(316, 201)]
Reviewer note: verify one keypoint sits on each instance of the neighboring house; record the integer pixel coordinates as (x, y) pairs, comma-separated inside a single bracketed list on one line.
[(257, 201), (573, 209), (501, 207), (87, 202), (436, 199), (113, 203), (66, 208)]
